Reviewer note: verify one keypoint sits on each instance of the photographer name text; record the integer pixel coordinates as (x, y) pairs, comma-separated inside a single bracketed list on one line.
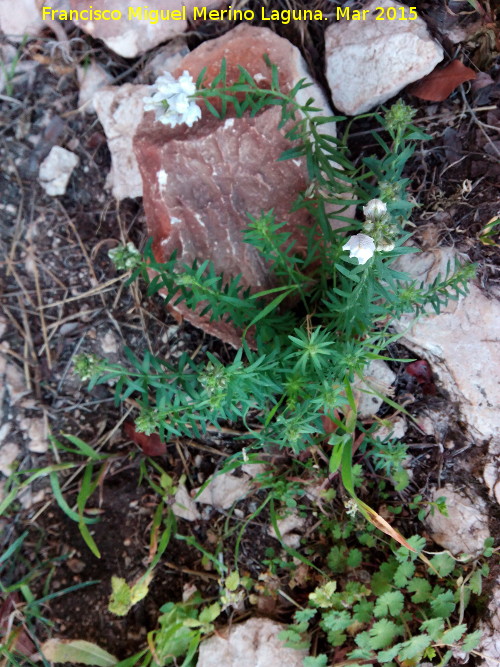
[(284, 16)]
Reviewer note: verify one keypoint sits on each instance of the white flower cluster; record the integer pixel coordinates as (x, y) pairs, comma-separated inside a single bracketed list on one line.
[(362, 246), (173, 100)]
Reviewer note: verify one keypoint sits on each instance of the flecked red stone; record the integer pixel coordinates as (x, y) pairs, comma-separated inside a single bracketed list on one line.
[(200, 182)]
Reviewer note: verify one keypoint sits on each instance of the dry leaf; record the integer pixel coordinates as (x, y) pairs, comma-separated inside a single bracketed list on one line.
[(151, 445), (436, 86)]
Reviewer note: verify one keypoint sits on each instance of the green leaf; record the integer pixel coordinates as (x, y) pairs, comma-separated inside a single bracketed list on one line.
[(232, 581), (88, 539), (421, 590), (414, 647), (363, 611), (270, 307), (317, 661), (354, 558), (415, 541), (433, 626), (404, 572), (476, 582), (389, 654), (76, 650), (382, 633), (389, 604), (56, 489), (120, 601), (471, 641), (335, 621), (443, 563), (443, 605), (210, 613), (304, 615), (453, 635)]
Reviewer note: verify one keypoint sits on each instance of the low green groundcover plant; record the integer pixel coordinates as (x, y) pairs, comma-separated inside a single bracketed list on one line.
[(304, 344)]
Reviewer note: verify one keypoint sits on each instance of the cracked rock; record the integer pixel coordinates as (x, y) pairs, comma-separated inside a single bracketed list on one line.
[(369, 61), (460, 343), (200, 182), (56, 169), (253, 643), (466, 526)]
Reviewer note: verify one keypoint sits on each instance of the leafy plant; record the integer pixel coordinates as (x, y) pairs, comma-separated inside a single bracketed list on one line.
[(294, 382), (294, 366), (404, 612)]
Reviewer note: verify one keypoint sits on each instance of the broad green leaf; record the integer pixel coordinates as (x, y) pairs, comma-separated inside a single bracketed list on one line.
[(389, 604), (453, 635), (443, 563), (414, 647), (404, 572), (77, 650), (421, 590), (382, 633), (443, 605), (471, 641)]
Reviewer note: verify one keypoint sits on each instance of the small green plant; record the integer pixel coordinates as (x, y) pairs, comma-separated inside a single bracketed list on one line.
[(9, 70), (294, 365), (294, 381), (405, 610)]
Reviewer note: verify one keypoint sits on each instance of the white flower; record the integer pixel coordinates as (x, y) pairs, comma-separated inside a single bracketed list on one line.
[(375, 208), (361, 247), (173, 100)]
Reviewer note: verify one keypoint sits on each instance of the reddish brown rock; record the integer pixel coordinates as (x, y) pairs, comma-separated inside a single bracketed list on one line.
[(131, 37), (200, 182)]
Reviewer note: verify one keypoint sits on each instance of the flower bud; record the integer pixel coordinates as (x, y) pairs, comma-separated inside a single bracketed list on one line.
[(375, 208)]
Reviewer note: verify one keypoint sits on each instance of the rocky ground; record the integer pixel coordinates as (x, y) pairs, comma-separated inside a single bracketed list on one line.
[(72, 189)]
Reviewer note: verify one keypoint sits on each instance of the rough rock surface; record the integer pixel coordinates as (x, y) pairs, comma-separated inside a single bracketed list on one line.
[(491, 471), (200, 182), (130, 38), (25, 19), (369, 61), (490, 642), (377, 377), (466, 526), (120, 110), (254, 643), (90, 80), (459, 343), (55, 170)]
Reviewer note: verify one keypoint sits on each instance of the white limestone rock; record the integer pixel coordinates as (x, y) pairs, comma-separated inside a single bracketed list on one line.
[(56, 169), (370, 61), (22, 20), (253, 643), (137, 32), (120, 110), (377, 377), (491, 472), (460, 344), (91, 79), (490, 642), (466, 526)]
